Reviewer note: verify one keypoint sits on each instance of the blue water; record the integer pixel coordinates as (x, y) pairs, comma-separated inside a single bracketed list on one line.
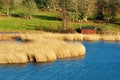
[(102, 62)]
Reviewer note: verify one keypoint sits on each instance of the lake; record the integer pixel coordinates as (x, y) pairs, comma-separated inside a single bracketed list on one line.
[(102, 62)]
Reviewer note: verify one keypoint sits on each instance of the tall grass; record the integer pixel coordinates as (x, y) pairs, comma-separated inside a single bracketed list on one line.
[(92, 37), (76, 36), (33, 36), (12, 53), (111, 37), (45, 47), (40, 50)]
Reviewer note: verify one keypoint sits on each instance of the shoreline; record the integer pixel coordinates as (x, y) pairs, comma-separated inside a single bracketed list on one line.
[(10, 36), (46, 47), (39, 50)]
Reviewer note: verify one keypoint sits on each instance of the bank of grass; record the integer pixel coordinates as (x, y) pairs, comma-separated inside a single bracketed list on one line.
[(13, 23), (30, 36), (105, 26), (45, 47), (50, 21), (39, 49)]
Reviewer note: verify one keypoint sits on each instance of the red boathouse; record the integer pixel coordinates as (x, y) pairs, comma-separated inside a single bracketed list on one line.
[(88, 30)]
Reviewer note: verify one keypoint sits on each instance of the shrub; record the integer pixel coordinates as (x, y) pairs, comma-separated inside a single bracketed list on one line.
[(68, 31)]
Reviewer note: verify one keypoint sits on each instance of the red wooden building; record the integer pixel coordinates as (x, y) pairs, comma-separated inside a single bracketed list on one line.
[(88, 30)]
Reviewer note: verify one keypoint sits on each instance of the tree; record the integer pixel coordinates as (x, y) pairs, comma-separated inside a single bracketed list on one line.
[(29, 7), (72, 9), (107, 9), (80, 9), (6, 5), (16, 6), (86, 8), (112, 9), (63, 13), (11, 5), (41, 4), (53, 4)]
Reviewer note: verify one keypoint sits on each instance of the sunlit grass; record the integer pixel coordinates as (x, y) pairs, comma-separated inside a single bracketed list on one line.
[(10, 23), (45, 20)]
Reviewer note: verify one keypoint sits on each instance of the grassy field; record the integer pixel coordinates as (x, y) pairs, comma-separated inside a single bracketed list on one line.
[(15, 23), (49, 20)]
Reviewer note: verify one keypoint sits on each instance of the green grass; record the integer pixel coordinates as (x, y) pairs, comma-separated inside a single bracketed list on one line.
[(14, 23), (46, 20), (106, 27)]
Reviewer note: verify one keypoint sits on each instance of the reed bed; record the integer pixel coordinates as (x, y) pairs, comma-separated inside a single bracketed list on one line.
[(45, 50), (111, 37), (39, 50), (8, 37), (75, 36), (92, 37), (12, 53), (67, 37), (46, 47)]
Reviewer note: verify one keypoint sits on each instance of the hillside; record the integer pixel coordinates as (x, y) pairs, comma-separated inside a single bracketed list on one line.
[(50, 21)]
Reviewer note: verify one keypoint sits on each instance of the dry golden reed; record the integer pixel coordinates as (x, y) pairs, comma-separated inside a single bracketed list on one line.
[(7, 36), (12, 53), (111, 37), (45, 47), (78, 37), (68, 37), (92, 37), (40, 50)]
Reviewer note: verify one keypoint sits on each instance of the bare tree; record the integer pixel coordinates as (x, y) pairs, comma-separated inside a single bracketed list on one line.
[(63, 13)]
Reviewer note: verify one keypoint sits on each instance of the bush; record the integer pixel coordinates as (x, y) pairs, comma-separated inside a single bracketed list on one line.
[(99, 30), (78, 30), (68, 31), (20, 15)]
